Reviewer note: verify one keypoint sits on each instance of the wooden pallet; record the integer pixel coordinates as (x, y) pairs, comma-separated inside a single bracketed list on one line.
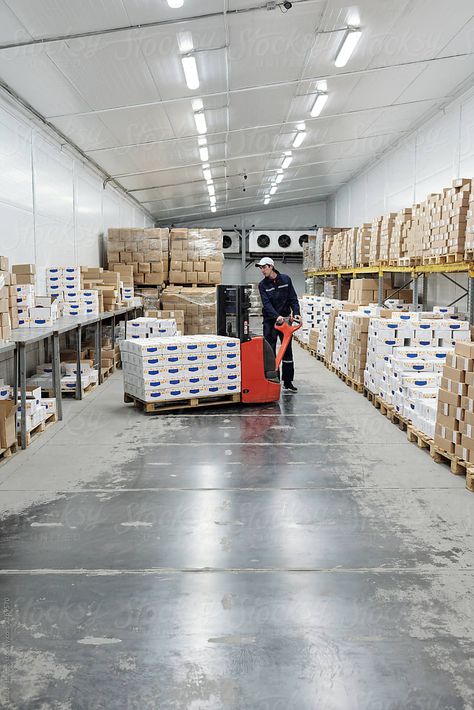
[(457, 466), (410, 261), (422, 440), (107, 371), (349, 381), (443, 259), (7, 453), (39, 428), (313, 353), (192, 403)]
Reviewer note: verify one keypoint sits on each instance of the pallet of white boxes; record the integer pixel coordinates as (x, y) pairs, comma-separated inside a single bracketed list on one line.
[(161, 367)]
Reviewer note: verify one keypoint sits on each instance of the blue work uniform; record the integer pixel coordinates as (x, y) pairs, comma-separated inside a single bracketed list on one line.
[(279, 299)]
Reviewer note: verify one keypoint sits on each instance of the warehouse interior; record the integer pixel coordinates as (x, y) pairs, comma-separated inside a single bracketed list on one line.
[(245, 546)]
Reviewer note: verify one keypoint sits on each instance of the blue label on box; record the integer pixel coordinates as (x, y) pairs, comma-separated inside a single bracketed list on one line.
[(152, 350)]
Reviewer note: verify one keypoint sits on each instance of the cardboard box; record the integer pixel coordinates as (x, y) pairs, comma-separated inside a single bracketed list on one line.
[(8, 410), (202, 277), (24, 269), (464, 349)]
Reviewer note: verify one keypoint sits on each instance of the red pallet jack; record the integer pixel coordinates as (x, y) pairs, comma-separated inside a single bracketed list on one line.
[(259, 366)]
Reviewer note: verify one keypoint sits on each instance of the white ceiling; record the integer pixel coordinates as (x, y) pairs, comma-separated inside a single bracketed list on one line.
[(121, 95)]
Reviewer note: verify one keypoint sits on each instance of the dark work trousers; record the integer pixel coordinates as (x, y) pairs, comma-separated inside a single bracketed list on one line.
[(271, 336)]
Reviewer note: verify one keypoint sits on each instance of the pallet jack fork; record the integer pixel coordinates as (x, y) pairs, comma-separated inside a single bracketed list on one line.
[(259, 367)]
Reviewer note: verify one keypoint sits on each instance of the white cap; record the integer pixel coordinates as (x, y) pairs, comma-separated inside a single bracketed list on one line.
[(266, 261)]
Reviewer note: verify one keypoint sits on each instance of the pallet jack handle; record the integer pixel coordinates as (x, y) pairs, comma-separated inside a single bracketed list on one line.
[(287, 328)]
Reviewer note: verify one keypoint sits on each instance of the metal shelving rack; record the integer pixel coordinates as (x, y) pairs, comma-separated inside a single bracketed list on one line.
[(22, 338), (416, 272)]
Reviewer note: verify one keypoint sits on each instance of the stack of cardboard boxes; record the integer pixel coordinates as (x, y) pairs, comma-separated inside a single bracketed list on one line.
[(469, 243), (177, 316), (198, 305), (8, 301), (365, 291), (167, 369), (106, 283), (196, 256), (399, 234), (362, 245), (455, 416), (147, 327), (350, 344), (142, 249), (374, 250), (448, 220), (38, 408), (386, 228)]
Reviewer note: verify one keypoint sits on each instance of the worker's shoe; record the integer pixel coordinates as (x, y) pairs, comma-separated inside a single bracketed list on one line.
[(289, 387)]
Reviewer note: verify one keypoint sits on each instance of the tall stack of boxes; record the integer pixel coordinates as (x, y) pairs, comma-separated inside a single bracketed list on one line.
[(168, 369), (386, 229), (374, 250), (198, 305), (196, 256), (399, 234), (142, 250), (455, 416), (363, 239), (469, 243), (365, 291), (350, 344), (8, 300)]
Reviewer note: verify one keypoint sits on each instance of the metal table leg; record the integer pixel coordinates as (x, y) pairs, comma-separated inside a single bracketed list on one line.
[(57, 375), (113, 332), (22, 367), (15, 375), (78, 362), (98, 350)]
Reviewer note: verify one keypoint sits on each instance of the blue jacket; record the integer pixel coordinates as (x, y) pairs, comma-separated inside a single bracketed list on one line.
[(278, 297)]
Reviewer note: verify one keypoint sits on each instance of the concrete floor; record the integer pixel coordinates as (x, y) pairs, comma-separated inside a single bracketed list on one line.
[(295, 556)]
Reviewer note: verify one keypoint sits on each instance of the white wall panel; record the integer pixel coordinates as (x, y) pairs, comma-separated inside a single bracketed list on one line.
[(294, 217), (63, 218)]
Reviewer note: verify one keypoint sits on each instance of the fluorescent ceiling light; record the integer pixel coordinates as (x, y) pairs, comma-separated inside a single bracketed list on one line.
[(287, 162), (175, 3), (200, 121), (273, 189), (319, 104), (190, 72), (279, 178), (202, 140), (279, 171), (204, 153), (213, 208), (211, 190), (351, 37), (301, 126), (266, 200), (299, 138), (197, 104), (207, 174)]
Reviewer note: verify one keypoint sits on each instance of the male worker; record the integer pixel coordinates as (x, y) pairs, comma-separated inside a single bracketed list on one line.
[(279, 301)]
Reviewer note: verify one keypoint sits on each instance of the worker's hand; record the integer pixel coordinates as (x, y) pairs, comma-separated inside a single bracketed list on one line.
[(280, 320), (297, 319)]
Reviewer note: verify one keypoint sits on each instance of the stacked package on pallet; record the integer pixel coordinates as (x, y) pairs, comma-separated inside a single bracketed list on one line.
[(399, 233), (198, 304), (375, 231), (167, 369), (151, 328), (25, 273), (141, 249), (365, 291), (61, 280), (196, 256), (362, 247), (416, 233), (25, 299), (425, 331), (469, 243), (38, 408), (386, 229), (323, 310), (308, 306), (455, 416), (350, 344), (448, 220)]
